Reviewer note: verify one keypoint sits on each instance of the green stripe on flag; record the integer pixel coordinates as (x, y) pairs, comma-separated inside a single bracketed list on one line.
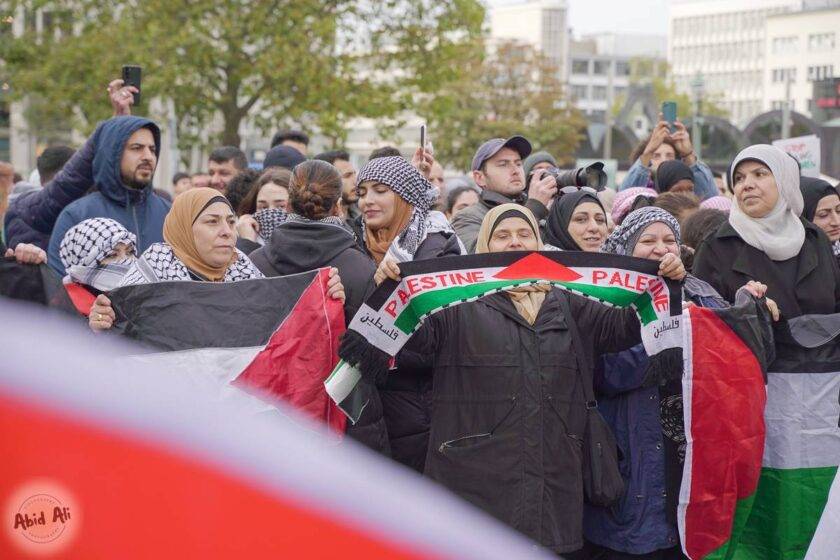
[(429, 301), (786, 509)]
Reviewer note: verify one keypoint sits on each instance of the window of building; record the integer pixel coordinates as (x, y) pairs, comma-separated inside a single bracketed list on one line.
[(622, 68), (579, 92), (599, 92), (580, 66), (785, 45), (821, 41), (817, 73), (619, 91), (781, 75), (601, 67)]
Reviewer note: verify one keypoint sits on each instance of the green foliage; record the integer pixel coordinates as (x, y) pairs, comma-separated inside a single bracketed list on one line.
[(511, 90), (313, 64)]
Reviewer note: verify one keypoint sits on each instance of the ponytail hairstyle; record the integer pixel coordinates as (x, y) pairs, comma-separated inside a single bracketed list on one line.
[(315, 189)]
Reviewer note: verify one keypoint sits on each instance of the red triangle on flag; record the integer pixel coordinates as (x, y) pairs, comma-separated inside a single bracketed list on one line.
[(538, 266)]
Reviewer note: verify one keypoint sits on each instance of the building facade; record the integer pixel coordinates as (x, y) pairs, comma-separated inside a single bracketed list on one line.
[(801, 47), (539, 23), (724, 43)]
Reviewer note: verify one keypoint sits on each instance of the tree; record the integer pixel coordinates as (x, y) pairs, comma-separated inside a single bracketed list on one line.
[(510, 89), (309, 63)]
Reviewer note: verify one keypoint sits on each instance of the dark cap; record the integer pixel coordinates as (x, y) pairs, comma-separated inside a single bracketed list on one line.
[(283, 156), (492, 147)]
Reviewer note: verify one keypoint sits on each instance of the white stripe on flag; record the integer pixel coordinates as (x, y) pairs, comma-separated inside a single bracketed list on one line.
[(802, 414), (826, 541)]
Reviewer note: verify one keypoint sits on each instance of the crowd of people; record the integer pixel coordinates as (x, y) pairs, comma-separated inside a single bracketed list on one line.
[(489, 397)]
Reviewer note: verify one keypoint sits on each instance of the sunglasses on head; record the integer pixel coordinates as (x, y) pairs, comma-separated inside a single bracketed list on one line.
[(571, 190)]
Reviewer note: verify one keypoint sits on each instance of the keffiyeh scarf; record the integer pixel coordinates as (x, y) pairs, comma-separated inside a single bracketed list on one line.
[(92, 240), (398, 174), (270, 219), (623, 238), (159, 264)]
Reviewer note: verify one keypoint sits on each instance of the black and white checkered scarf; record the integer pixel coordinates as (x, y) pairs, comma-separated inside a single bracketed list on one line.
[(623, 238), (398, 174), (159, 264), (92, 240), (270, 219)]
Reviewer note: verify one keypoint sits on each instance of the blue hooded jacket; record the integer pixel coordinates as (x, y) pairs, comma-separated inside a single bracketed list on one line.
[(141, 211)]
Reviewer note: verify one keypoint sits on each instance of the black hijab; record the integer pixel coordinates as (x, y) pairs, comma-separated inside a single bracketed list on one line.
[(814, 190), (557, 223), (670, 172)]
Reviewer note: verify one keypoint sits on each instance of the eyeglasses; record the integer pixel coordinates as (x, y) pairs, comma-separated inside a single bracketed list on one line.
[(573, 189)]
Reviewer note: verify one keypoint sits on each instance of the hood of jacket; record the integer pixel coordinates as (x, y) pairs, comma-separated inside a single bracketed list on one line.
[(111, 137), (301, 246)]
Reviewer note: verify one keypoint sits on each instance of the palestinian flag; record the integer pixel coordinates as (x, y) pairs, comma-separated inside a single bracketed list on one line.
[(135, 463), (395, 310), (724, 396), (274, 337), (778, 519)]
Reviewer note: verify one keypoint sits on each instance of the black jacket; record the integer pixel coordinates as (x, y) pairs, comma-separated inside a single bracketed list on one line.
[(406, 396), (726, 262), (297, 247), (509, 407)]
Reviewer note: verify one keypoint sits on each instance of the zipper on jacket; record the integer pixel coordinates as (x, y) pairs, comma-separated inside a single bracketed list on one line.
[(451, 443)]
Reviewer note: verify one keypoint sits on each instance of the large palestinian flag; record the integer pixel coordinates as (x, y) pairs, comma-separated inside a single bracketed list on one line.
[(396, 310), (135, 463), (276, 337), (778, 508)]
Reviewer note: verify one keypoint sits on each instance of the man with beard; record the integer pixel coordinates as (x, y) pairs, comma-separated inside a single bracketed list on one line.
[(124, 159)]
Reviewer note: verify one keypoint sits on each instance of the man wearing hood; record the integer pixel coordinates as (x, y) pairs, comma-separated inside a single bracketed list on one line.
[(125, 152), (497, 169)]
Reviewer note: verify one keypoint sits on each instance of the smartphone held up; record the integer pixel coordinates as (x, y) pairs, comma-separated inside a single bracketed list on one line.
[(131, 75), (669, 114)]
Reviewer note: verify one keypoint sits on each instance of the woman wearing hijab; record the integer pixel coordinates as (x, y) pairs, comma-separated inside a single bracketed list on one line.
[(630, 199), (96, 253), (398, 225), (766, 240), (577, 222), (674, 176), (822, 208), (200, 245), (509, 405), (638, 524)]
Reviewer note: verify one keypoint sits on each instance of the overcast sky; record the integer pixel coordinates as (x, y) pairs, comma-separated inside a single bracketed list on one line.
[(618, 16)]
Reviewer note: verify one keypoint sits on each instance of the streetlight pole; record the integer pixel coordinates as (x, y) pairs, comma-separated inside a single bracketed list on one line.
[(697, 85), (608, 120), (786, 107)]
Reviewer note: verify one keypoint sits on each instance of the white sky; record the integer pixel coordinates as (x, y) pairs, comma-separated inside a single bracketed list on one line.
[(617, 16)]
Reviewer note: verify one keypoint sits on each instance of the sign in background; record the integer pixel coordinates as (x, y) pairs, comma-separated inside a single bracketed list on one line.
[(806, 149)]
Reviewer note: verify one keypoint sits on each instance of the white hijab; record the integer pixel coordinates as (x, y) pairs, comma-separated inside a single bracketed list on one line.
[(780, 234)]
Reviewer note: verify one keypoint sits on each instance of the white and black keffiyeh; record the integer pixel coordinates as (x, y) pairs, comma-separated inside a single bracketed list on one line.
[(398, 174), (159, 264), (623, 238), (92, 240), (269, 219), (835, 248)]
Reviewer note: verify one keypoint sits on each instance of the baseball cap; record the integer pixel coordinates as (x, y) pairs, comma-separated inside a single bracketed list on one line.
[(492, 147)]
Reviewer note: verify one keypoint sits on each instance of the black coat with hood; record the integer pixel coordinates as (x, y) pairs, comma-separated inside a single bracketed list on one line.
[(301, 246), (509, 408)]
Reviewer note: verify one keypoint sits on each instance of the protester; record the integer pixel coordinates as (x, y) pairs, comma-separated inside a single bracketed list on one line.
[(263, 208), (680, 204), (283, 156), (766, 240), (697, 228), (720, 183), (674, 176), (241, 186), (119, 161), (460, 198), (631, 199), (497, 170), (384, 151), (638, 525), (292, 138), (97, 254), (660, 146), (200, 180), (722, 203), (495, 384), (340, 159), (181, 182), (395, 200), (537, 162), (577, 222), (822, 208), (223, 165)]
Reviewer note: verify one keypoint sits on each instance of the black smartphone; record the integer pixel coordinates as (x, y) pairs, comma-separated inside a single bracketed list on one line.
[(669, 113), (423, 136), (131, 77)]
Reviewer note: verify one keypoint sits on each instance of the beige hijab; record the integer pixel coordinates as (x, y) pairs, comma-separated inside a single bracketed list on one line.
[(177, 231), (526, 299)]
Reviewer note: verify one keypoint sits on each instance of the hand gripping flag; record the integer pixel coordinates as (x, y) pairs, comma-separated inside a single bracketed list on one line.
[(277, 337), (396, 310)]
